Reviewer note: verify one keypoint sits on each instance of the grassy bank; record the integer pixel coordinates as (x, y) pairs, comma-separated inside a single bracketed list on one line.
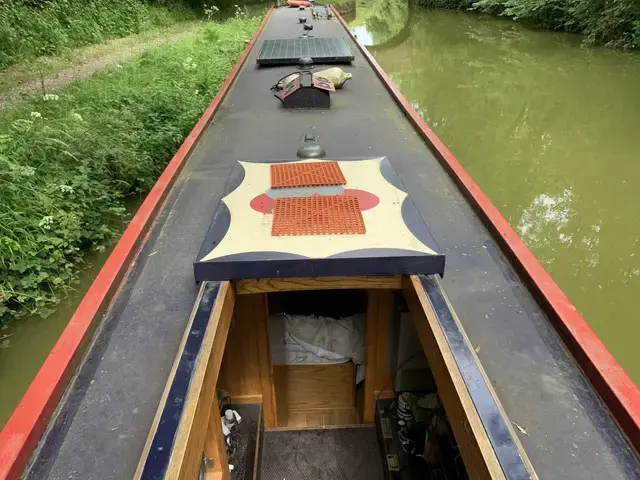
[(614, 23), (47, 66), (67, 160), (33, 28)]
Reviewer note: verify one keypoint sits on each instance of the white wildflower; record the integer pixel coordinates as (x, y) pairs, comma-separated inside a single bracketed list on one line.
[(36, 115), (22, 170), (189, 64), (50, 97), (65, 188), (77, 116), (211, 11), (27, 171), (46, 222)]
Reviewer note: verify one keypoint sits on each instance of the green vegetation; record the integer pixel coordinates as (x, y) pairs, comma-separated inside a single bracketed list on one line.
[(68, 160), (614, 23), (34, 70), (32, 28)]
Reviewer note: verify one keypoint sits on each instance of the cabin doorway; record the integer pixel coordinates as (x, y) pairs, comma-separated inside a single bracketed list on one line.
[(318, 342), (328, 355), (343, 377), (335, 361)]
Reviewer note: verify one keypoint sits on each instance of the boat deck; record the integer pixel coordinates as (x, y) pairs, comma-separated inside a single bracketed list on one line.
[(102, 426)]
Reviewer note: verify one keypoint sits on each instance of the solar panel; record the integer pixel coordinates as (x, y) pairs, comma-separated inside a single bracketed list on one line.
[(288, 51)]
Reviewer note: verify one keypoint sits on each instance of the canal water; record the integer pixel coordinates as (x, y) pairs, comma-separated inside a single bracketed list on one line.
[(25, 343), (550, 131)]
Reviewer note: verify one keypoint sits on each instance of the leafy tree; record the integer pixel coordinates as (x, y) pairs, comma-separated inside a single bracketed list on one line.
[(615, 23)]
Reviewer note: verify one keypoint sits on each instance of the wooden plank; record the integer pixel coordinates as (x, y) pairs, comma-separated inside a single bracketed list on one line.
[(503, 413), (215, 448), (189, 444), (265, 285), (371, 352), (165, 393), (246, 399), (246, 368), (256, 456), (260, 313), (477, 452), (383, 386), (478, 455), (319, 417), (240, 370), (309, 387), (341, 417), (377, 382)]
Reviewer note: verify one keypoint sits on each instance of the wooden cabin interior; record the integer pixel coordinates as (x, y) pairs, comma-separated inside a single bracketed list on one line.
[(405, 352), (306, 395)]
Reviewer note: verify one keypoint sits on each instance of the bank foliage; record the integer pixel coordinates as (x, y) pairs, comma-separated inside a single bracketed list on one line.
[(614, 23), (69, 159), (31, 28)]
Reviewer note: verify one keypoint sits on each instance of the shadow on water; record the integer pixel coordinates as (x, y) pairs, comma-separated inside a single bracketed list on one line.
[(26, 343), (548, 129)]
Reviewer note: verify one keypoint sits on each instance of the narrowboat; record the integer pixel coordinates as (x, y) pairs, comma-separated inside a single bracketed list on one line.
[(316, 289)]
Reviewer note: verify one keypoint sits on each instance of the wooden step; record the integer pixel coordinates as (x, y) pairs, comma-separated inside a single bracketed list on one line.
[(318, 417)]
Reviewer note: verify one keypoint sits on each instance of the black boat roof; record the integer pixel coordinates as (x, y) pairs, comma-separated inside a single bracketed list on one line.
[(105, 416)]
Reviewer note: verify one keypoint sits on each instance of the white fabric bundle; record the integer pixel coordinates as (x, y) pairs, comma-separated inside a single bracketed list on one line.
[(313, 340)]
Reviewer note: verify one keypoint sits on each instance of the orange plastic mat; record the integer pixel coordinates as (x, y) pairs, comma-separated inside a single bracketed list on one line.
[(331, 215), (312, 174)]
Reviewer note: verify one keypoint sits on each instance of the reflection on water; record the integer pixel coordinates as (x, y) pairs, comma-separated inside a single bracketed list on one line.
[(378, 21), (549, 131)]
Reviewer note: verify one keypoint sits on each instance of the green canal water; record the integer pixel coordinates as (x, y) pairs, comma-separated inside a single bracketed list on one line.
[(25, 343), (548, 129)]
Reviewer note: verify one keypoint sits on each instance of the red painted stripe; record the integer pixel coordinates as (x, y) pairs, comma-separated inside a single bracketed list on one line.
[(619, 392), (27, 423)]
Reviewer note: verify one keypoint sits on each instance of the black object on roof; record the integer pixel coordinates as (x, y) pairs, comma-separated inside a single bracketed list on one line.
[(288, 51)]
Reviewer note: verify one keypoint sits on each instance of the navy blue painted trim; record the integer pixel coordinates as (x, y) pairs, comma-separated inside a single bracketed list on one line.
[(157, 460), (222, 217), (242, 266), (494, 423), (217, 230), (389, 174), (235, 179), (417, 226)]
